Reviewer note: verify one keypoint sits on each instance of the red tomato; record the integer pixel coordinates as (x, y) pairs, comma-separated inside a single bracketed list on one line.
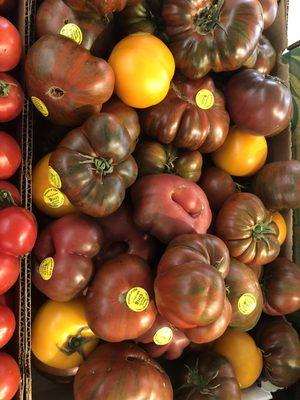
[(9, 377), (18, 231), (7, 325), (6, 6), (4, 185), (10, 155), (9, 271), (11, 97), (10, 45)]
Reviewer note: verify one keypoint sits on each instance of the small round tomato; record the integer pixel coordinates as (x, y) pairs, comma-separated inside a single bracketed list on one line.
[(10, 155), (7, 325), (9, 271), (241, 154), (56, 205), (13, 191), (11, 98), (144, 68), (10, 45), (280, 222), (9, 376), (61, 337), (18, 231)]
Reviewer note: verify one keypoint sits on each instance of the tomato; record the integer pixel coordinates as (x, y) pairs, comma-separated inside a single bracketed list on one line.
[(11, 98), (10, 155), (9, 377), (103, 7), (6, 6), (61, 337), (7, 325), (18, 231), (264, 57), (141, 79), (240, 350), (9, 187), (282, 228), (270, 8), (9, 271), (10, 45), (40, 186), (242, 154)]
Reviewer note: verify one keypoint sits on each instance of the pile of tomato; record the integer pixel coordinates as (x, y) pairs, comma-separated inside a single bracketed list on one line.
[(161, 255)]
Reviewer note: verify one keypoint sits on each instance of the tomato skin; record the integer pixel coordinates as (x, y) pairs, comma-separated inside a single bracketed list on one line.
[(9, 376), (282, 228), (18, 231), (270, 8), (10, 45), (142, 81), (10, 155), (7, 325), (11, 98), (9, 271), (4, 185)]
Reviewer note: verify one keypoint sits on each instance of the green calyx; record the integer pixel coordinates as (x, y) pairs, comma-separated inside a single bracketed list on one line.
[(259, 232), (5, 88), (208, 18), (169, 165), (103, 166), (76, 343)]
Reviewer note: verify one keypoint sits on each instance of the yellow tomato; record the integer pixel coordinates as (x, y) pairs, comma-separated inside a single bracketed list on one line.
[(280, 222), (144, 68), (48, 198), (60, 333), (240, 350), (241, 154)]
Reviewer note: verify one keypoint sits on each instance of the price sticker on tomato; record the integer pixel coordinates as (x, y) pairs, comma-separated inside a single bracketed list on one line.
[(247, 303), (137, 299)]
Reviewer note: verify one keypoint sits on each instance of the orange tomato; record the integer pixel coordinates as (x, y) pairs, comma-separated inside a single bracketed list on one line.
[(241, 154), (144, 68), (280, 222), (47, 197), (240, 350)]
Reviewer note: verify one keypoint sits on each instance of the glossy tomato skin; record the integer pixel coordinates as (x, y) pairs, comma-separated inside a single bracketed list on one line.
[(278, 183), (9, 376), (197, 37), (247, 229), (280, 343), (257, 111), (67, 98), (270, 8), (133, 374), (7, 325), (10, 45), (208, 375), (282, 227), (9, 187), (281, 283), (61, 337), (18, 231), (10, 155), (68, 245), (156, 158), (264, 57), (162, 195), (190, 295), (108, 311), (205, 248), (121, 235), (94, 33), (103, 7), (245, 296), (179, 120), (11, 98), (9, 271), (95, 165), (218, 185)]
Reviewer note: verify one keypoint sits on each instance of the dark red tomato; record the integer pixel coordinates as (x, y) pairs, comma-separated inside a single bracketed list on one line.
[(10, 45), (9, 377), (270, 8), (10, 155), (9, 271), (8, 190), (6, 6), (7, 325), (11, 98), (18, 231)]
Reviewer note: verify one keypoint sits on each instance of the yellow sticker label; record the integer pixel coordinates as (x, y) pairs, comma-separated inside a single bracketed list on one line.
[(40, 106), (54, 178), (137, 299), (72, 31), (247, 303), (46, 268), (163, 336), (205, 99), (53, 197)]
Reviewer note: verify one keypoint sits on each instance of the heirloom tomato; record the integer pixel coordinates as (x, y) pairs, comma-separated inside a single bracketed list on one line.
[(11, 98), (61, 337), (270, 8), (240, 350), (10, 376), (281, 224), (263, 58), (10, 45), (7, 325), (141, 79), (10, 155), (46, 193), (242, 154)]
